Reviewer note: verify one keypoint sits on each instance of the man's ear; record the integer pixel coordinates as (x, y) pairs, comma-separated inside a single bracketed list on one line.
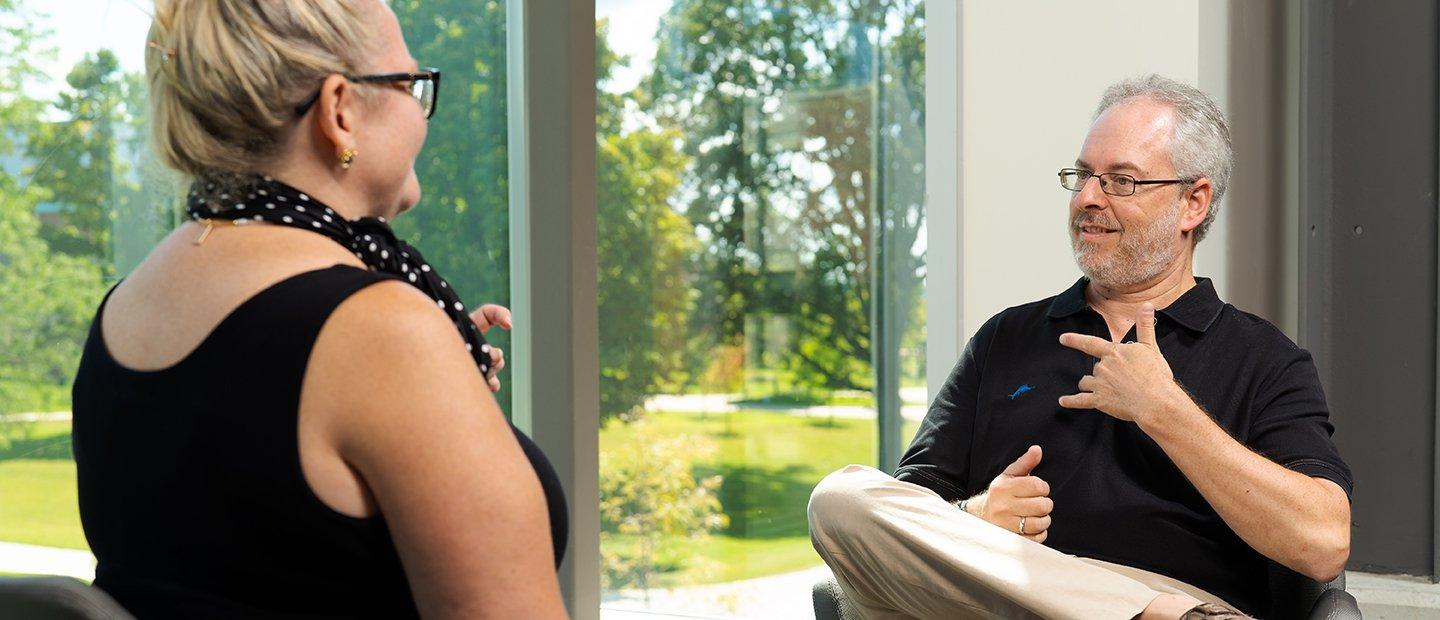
[(1196, 204), (337, 114)]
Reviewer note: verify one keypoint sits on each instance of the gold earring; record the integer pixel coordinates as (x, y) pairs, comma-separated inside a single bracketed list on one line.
[(347, 157)]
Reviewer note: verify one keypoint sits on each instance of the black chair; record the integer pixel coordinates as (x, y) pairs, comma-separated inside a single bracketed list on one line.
[(1292, 595), (56, 598)]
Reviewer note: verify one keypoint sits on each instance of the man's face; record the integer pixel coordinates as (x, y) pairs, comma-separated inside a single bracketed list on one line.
[(1124, 241)]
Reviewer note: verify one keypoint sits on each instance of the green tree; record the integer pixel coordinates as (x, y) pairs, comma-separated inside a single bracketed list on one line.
[(648, 490), (49, 296), (758, 87), (77, 158), (463, 221), (714, 61), (649, 494), (49, 300), (644, 252)]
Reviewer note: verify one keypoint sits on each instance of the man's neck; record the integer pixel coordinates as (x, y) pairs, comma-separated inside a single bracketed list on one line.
[(1120, 305)]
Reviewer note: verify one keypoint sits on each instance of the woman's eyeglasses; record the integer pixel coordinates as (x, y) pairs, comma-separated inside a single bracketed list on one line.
[(423, 86)]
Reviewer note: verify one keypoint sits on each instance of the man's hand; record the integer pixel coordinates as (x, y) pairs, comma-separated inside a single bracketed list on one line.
[(487, 316), (1130, 381), (1014, 494)]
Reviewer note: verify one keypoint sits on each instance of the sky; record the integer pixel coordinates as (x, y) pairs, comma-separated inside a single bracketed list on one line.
[(632, 33), (81, 26)]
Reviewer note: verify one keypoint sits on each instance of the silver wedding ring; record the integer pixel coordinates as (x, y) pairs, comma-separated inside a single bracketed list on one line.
[(1022, 526)]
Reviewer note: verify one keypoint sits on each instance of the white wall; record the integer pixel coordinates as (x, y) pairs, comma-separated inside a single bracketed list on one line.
[(1030, 73)]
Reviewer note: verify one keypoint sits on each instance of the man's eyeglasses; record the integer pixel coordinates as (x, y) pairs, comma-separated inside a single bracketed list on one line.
[(423, 85), (1113, 183)]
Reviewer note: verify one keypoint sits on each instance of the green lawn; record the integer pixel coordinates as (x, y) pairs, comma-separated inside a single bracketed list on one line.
[(770, 462), (38, 502)]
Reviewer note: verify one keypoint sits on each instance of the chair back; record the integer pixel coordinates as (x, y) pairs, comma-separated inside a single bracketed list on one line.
[(1293, 595), (56, 598)]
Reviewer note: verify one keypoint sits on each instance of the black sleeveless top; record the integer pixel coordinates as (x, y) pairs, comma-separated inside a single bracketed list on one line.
[(191, 492)]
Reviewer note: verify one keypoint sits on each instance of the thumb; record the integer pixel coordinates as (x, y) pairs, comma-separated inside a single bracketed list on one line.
[(1025, 464), (1145, 324)]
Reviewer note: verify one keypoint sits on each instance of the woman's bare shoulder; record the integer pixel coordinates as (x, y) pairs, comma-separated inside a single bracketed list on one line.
[(388, 347)]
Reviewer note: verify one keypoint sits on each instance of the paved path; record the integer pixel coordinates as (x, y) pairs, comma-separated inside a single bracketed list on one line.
[(781, 597), (36, 560), (723, 403), (47, 416)]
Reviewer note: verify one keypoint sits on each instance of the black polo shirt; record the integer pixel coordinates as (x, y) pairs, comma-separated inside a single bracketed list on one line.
[(1118, 497)]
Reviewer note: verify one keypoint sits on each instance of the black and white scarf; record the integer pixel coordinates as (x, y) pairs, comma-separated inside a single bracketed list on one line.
[(370, 238)]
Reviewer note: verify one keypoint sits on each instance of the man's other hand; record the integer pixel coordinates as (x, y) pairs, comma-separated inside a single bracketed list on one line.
[(1015, 494), (1130, 381)]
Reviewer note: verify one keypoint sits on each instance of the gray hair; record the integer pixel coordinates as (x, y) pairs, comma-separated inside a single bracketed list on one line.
[(1200, 146)]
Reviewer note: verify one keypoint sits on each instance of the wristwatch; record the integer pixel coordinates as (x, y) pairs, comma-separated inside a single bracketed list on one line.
[(961, 505)]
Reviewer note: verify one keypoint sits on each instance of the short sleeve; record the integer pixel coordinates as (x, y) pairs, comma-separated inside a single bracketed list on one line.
[(939, 456), (1292, 424)]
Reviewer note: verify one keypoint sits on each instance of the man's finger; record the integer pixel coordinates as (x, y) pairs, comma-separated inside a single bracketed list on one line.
[(1036, 525), (1083, 400), (1096, 347), (1145, 324), (1087, 383), (1033, 506), (1030, 486), (1039, 538), (1025, 464)]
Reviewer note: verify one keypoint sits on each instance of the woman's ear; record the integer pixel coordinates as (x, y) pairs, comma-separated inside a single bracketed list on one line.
[(337, 113)]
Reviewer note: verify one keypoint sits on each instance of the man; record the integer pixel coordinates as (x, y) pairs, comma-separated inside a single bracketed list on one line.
[(1132, 447)]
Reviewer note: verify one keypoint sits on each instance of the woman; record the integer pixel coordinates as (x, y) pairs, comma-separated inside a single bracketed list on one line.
[(290, 417)]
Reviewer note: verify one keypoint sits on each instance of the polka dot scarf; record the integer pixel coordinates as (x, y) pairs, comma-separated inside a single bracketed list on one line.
[(369, 238)]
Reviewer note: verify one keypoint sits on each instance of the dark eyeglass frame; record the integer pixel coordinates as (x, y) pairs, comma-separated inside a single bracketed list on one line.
[(429, 74), (1106, 177)]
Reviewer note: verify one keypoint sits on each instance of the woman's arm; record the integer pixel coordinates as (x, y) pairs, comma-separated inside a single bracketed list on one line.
[(418, 423)]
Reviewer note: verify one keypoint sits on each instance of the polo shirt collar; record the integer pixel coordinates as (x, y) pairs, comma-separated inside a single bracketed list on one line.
[(1197, 309), (1071, 301)]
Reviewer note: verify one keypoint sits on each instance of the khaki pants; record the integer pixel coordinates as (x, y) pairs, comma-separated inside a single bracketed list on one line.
[(900, 551)]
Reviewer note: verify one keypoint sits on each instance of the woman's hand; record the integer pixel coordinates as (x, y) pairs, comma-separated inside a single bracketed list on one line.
[(487, 316)]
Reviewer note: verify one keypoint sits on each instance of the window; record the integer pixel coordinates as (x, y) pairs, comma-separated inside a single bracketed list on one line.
[(82, 203), (761, 268), (77, 210)]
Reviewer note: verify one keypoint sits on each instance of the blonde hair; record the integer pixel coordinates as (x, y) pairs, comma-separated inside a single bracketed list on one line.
[(225, 76)]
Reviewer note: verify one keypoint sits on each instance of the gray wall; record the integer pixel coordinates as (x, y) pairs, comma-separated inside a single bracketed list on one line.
[(1367, 306)]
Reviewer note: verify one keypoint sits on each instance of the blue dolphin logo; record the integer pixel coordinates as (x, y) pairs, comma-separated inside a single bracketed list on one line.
[(1021, 390)]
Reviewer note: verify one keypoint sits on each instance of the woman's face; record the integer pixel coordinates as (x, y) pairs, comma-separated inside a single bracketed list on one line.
[(394, 122)]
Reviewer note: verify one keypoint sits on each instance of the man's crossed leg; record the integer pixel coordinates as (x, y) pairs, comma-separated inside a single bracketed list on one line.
[(899, 550)]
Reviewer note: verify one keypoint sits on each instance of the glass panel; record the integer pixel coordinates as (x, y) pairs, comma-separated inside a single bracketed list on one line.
[(76, 212), (82, 203), (761, 265), (462, 223)]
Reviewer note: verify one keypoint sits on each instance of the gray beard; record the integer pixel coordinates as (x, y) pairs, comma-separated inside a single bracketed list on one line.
[(1141, 255)]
